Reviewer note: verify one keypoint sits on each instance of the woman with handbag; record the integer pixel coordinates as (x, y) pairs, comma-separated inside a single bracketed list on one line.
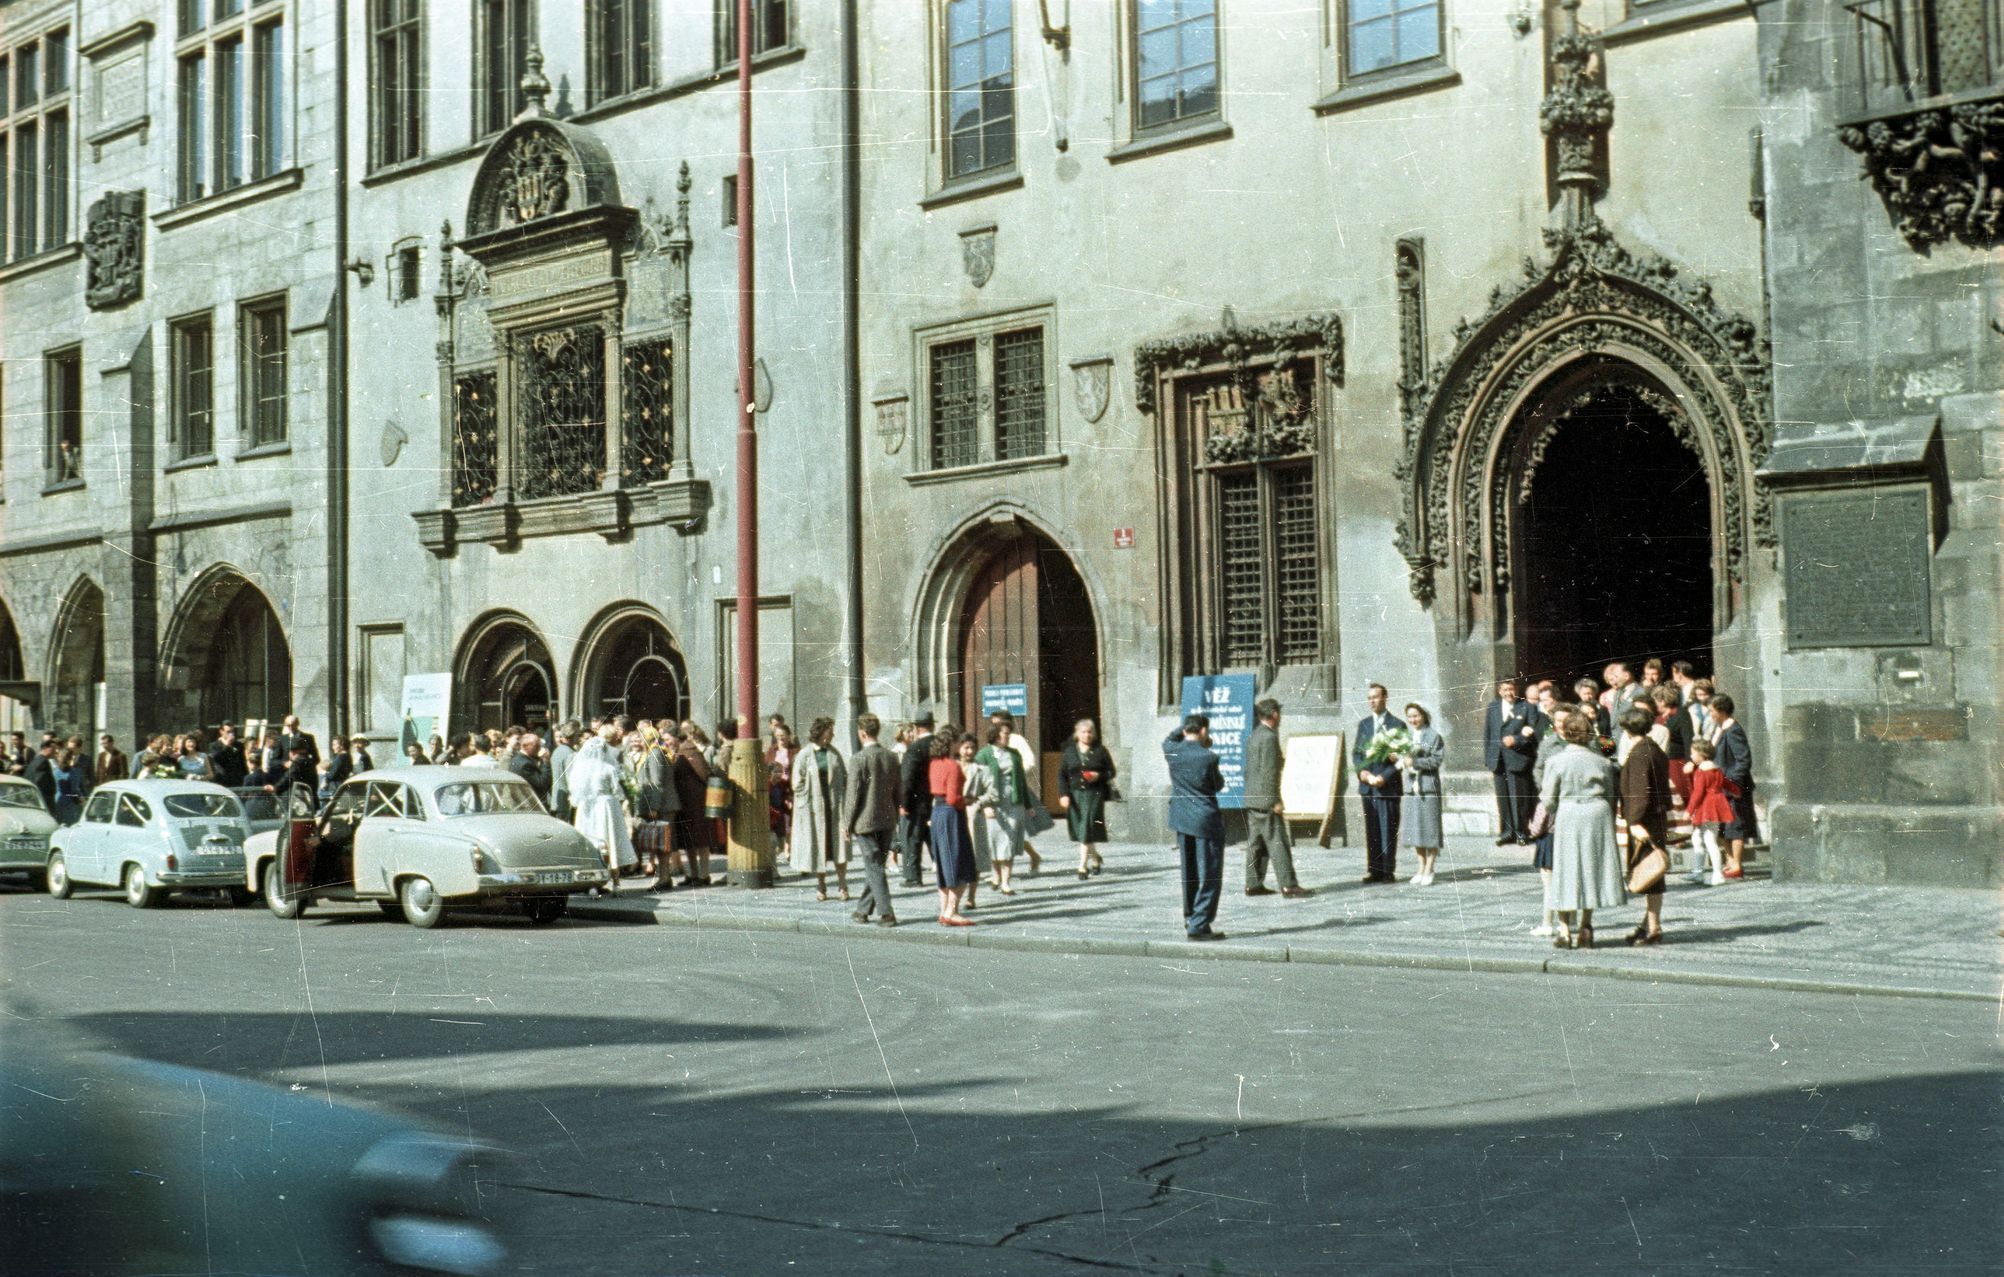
[(1005, 810), (1085, 781), (1578, 796), (1645, 807), (656, 803)]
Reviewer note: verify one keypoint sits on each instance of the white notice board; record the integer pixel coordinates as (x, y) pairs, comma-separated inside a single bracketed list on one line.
[(1311, 782)]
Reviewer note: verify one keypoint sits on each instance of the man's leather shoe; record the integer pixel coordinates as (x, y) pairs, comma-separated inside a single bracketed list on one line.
[(859, 916), (887, 921), (1506, 840), (1259, 891), (1296, 893), (1202, 936)]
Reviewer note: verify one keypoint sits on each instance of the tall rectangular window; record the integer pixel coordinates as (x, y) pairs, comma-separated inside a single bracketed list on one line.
[(35, 141), (504, 30), (1911, 50), (27, 223), (261, 340), (1175, 61), (268, 100), (55, 179), (1019, 394), (955, 415), (192, 423), (622, 48), (980, 87), (230, 95), (769, 28), (62, 410), (1379, 34), (396, 81)]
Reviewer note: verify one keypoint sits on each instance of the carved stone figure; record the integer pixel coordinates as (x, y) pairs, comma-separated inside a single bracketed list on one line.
[(1940, 172), (537, 182), (114, 245)]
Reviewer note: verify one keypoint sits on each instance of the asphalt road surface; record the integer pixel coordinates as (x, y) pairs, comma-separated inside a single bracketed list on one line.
[(685, 1102)]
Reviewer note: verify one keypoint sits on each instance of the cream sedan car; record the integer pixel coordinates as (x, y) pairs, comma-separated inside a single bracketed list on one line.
[(419, 839), (25, 826), (150, 837)]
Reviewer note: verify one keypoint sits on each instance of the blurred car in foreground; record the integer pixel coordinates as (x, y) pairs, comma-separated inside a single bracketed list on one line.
[(113, 1166), (25, 826)]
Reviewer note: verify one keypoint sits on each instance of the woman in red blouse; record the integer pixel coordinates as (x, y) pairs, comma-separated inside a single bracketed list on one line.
[(952, 848)]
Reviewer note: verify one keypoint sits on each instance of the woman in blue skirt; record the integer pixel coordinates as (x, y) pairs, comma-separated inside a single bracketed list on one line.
[(952, 848)]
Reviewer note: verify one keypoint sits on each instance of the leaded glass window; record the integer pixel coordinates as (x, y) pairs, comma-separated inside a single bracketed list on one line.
[(646, 383), (561, 390), (476, 445)]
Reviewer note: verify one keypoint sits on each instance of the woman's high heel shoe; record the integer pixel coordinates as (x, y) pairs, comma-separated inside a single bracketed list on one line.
[(1583, 938)]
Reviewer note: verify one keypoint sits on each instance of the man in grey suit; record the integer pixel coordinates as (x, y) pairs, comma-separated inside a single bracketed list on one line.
[(560, 765), (874, 790), (1266, 829)]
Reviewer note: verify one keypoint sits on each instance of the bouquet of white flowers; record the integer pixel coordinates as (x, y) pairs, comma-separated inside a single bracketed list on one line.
[(1386, 747)]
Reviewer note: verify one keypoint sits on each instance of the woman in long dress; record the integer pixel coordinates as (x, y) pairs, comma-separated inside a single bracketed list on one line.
[(820, 795), (1419, 814), (598, 797), (977, 786), (1578, 794), (1085, 778), (1005, 810)]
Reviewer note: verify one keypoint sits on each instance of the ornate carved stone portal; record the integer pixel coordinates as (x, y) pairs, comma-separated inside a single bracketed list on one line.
[(115, 247), (1276, 344), (1940, 172)]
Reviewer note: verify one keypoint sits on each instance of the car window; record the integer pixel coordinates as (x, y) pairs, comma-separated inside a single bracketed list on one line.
[(413, 805), (202, 806), (20, 796), (133, 811), (347, 804), (98, 810), (473, 798), (259, 805), (385, 799)]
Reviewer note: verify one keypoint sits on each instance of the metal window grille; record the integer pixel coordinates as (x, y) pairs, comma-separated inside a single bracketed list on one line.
[(646, 383), (1241, 575), (955, 426), (476, 445), (1297, 565), (562, 395), (1019, 394), (980, 87)]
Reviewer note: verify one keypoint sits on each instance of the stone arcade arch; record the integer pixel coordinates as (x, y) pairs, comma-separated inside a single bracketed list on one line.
[(18, 693), (629, 663), (1005, 604), (225, 655), (76, 661), (1594, 320), (504, 677)]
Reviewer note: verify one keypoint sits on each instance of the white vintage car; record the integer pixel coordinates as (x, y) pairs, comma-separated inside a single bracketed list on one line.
[(417, 839), (25, 826), (150, 837)]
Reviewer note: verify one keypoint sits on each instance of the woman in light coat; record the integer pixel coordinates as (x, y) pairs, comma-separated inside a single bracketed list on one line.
[(1578, 794), (977, 788), (597, 796), (1419, 815), (1005, 812), (820, 797)]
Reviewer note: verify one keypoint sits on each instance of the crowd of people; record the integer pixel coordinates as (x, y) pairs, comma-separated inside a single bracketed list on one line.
[(1601, 780)]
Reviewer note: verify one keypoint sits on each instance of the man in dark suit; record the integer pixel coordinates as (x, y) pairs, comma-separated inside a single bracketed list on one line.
[(876, 788), (18, 755), (1379, 785), (292, 735), (1509, 750), (914, 836), (1266, 828), (1735, 759), (226, 758), (299, 770), (529, 763), (1194, 785), (41, 773)]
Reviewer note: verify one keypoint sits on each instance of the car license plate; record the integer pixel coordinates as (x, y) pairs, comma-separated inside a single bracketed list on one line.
[(557, 875), (26, 844)]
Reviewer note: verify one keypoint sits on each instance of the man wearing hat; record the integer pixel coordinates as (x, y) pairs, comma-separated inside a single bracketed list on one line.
[(914, 836)]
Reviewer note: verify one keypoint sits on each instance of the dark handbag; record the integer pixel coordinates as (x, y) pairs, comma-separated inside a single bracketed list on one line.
[(1646, 870)]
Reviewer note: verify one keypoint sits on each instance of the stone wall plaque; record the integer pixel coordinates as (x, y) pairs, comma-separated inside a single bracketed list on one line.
[(114, 246), (1856, 566)]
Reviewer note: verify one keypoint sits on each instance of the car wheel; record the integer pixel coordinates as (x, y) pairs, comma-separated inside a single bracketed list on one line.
[(276, 900), (57, 878), (137, 893), (544, 910), (423, 906)]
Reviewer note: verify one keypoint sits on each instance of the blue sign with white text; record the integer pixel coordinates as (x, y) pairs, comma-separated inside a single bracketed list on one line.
[(1227, 700), (1009, 698)]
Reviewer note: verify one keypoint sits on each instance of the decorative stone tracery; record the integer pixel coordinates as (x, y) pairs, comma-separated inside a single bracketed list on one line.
[(1940, 172), (1276, 343)]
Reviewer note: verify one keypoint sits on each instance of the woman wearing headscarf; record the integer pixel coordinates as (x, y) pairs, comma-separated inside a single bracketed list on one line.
[(1419, 818), (597, 795), (820, 786)]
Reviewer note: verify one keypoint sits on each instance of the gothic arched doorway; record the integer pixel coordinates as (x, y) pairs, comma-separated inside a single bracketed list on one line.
[(632, 666), (1611, 514), (226, 659), (77, 670), (505, 679), (17, 692), (1027, 619)]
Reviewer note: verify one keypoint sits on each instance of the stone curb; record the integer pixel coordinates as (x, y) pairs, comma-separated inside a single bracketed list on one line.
[(976, 938)]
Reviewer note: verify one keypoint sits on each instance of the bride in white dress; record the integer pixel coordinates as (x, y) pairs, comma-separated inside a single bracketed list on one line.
[(592, 780)]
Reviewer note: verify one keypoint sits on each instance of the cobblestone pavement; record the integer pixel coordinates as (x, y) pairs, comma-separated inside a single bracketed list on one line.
[(1477, 915)]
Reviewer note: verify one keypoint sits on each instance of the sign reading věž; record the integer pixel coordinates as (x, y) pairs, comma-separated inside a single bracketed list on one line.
[(1227, 700), (1008, 698)]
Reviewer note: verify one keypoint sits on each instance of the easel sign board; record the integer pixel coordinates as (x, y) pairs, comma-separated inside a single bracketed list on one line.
[(1311, 783)]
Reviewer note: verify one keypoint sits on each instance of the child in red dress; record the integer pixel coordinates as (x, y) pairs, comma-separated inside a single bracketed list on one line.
[(1708, 809)]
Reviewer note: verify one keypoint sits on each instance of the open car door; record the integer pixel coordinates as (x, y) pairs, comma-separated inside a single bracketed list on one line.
[(292, 868)]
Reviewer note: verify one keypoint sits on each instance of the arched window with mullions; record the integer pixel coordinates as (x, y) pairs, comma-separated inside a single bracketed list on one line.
[(634, 667), (505, 679)]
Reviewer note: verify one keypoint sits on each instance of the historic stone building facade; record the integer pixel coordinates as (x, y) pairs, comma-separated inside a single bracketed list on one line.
[(1329, 353), (166, 294)]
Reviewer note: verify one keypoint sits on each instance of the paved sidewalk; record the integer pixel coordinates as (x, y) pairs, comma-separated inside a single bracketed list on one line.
[(1476, 916)]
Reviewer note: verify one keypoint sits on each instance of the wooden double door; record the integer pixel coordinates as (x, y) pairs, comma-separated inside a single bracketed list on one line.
[(1028, 620)]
